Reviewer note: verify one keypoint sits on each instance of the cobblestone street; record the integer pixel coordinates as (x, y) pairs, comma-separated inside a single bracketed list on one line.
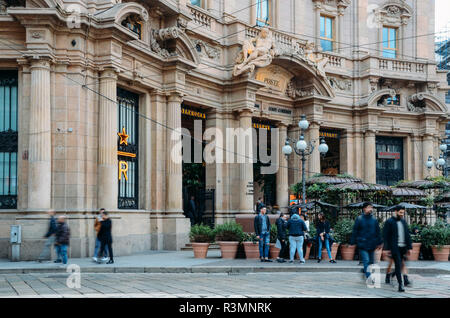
[(307, 284)]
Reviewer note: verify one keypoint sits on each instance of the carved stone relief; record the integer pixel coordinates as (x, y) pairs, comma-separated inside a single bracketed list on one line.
[(295, 92), (340, 84), (206, 49), (416, 103)]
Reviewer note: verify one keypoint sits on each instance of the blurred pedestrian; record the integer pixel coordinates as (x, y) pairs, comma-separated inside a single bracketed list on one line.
[(262, 230), (105, 237), (398, 242), (323, 238), (281, 236), (62, 239), (296, 228), (97, 226), (366, 234), (50, 236)]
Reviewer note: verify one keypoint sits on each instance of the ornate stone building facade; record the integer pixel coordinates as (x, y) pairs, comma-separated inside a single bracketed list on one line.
[(93, 89)]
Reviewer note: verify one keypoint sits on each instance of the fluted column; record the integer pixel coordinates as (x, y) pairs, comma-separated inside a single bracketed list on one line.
[(246, 168), (427, 150), (40, 151), (369, 157), (174, 197), (107, 142), (282, 174), (314, 158), (317, 8)]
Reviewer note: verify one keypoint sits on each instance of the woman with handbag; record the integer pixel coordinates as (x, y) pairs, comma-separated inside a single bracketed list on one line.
[(323, 237)]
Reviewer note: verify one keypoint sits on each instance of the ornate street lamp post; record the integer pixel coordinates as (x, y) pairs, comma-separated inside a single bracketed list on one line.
[(441, 163), (303, 149)]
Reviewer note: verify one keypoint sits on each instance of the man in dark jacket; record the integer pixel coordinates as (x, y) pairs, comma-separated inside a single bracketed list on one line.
[(398, 241), (105, 237), (62, 239), (296, 228), (50, 236), (366, 234), (281, 236), (262, 230)]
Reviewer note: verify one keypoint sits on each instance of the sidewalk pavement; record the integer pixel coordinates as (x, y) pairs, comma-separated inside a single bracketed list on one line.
[(184, 262)]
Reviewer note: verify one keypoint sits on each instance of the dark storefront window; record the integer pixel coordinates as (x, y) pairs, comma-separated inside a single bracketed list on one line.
[(8, 139), (389, 152), (127, 146), (330, 163)]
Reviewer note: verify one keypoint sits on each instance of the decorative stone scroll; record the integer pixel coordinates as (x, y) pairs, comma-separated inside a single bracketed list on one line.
[(416, 103), (294, 92), (316, 59), (256, 52), (340, 84)]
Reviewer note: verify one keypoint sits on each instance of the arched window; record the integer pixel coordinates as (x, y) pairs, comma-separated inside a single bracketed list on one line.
[(134, 23)]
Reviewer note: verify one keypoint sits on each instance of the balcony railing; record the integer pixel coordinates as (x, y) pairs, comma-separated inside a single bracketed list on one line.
[(201, 18), (401, 66), (333, 60)]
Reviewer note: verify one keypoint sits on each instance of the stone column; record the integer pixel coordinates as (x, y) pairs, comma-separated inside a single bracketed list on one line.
[(317, 7), (427, 150), (246, 168), (369, 157), (313, 161), (176, 226), (174, 202), (40, 148), (282, 174), (107, 142), (253, 13), (346, 153)]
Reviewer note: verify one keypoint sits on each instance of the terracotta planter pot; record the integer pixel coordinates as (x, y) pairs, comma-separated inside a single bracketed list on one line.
[(308, 250), (200, 249), (273, 251), (251, 250), (414, 256), (228, 249), (334, 250), (348, 252), (441, 254)]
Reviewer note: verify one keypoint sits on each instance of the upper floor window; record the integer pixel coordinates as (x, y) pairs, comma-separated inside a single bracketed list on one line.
[(326, 33), (393, 100), (197, 3), (262, 12), (133, 23), (390, 42)]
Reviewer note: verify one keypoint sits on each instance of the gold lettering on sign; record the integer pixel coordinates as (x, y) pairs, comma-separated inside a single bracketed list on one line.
[(123, 169)]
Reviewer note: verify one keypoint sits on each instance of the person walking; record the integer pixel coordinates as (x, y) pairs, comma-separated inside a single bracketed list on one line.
[(296, 228), (105, 237), (398, 242), (366, 234), (281, 236), (262, 230), (50, 236), (323, 237), (62, 238), (259, 205), (97, 226)]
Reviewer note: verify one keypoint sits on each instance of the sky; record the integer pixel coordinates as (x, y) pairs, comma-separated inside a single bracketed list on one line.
[(442, 13)]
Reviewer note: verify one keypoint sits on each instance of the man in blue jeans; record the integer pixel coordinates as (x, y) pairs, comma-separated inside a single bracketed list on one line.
[(366, 234), (262, 230)]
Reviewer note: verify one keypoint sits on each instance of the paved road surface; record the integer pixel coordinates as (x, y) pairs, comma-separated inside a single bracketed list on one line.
[(330, 284)]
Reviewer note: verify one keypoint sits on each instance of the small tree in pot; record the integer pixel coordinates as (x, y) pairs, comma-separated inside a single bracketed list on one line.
[(343, 234), (273, 251), (251, 246), (416, 242), (437, 237), (201, 236), (228, 236)]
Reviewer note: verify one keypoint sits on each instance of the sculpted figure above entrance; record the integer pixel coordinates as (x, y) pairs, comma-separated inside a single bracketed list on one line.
[(257, 51)]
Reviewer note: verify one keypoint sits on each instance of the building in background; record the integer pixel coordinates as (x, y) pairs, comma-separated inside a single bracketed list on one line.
[(91, 92)]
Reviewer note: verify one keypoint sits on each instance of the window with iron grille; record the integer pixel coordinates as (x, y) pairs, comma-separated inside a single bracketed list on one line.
[(127, 146), (8, 139)]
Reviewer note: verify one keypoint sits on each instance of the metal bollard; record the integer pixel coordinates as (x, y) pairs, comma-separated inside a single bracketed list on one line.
[(16, 241)]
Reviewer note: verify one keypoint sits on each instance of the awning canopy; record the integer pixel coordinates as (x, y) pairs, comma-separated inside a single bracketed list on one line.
[(361, 186), (330, 179), (408, 192)]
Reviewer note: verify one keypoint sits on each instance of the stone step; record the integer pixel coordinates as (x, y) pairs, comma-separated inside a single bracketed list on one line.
[(188, 247)]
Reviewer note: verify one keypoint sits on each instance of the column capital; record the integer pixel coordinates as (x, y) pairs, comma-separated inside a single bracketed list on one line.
[(109, 72), (370, 132), (175, 97), (43, 63), (245, 112)]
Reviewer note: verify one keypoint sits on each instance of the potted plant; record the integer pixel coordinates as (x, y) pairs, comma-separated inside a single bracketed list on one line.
[(334, 248), (273, 251), (437, 237), (201, 236), (311, 238), (251, 246), (343, 234), (228, 236), (416, 244)]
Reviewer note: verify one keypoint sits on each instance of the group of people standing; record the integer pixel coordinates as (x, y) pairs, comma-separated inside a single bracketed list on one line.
[(366, 235), (58, 234)]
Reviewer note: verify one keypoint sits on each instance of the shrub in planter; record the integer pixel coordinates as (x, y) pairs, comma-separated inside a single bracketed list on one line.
[(201, 236), (311, 237), (273, 251), (251, 246), (416, 244), (437, 237), (343, 233), (228, 236)]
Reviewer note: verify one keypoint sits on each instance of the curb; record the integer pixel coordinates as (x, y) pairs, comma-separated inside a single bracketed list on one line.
[(215, 270)]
